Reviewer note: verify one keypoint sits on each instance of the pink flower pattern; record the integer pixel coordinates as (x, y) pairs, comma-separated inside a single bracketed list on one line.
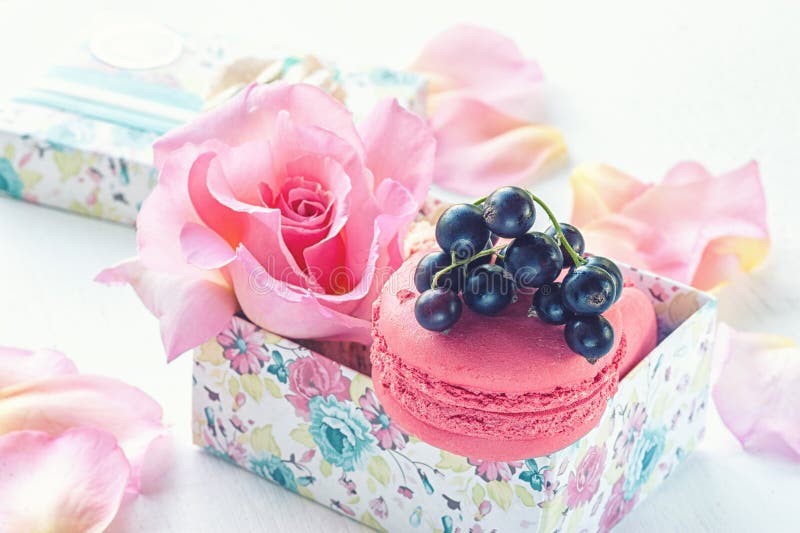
[(616, 507), (315, 376), (585, 480), (495, 470), (243, 346), (379, 508), (624, 443), (389, 436)]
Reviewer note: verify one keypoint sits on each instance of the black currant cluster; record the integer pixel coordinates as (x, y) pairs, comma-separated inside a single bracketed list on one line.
[(489, 276)]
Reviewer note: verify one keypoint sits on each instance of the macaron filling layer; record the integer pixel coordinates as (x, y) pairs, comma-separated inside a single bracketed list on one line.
[(491, 415)]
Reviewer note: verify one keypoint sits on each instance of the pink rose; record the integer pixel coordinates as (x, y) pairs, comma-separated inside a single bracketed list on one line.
[(315, 376), (277, 204), (585, 480), (485, 107)]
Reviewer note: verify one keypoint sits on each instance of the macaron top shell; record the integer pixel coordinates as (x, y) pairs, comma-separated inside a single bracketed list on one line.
[(509, 353)]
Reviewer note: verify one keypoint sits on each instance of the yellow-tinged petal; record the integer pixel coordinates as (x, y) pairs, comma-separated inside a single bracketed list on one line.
[(599, 190), (692, 227), (55, 405)]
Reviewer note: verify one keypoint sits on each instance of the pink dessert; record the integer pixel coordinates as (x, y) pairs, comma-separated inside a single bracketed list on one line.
[(501, 388)]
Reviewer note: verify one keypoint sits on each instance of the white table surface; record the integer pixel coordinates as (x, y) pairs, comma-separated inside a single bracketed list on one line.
[(633, 84)]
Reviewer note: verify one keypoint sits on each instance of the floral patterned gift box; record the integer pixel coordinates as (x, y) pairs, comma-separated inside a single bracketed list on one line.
[(79, 136), (314, 426)]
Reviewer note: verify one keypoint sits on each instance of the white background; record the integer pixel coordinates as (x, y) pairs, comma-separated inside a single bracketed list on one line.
[(633, 84)]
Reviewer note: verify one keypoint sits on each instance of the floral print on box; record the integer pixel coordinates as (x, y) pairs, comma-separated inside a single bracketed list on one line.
[(341, 431), (316, 428), (84, 181), (243, 346), (9, 179), (585, 480)]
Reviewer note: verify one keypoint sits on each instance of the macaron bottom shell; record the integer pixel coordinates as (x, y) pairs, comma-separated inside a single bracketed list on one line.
[(487, 449), (532, 428)]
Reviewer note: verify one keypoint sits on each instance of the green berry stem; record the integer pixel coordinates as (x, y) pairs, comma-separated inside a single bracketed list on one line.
[(455, 264), (577, 259), (479, 201)]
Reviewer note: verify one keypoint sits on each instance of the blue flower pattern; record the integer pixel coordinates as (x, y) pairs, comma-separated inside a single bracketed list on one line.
[(643, 461), (9, 179), (273, 468), (341, 431)]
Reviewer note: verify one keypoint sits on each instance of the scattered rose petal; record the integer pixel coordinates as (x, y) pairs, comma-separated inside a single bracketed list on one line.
[(59, 403), (485, 108), (692, 227), (72, 482), (756, 390), (18, 365), (482, 64), (480, 149)]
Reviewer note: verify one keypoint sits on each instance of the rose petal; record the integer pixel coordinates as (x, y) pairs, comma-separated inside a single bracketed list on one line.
[(400, 209), (283, 309), (261, 225), (71, 483), (165, 211), (18, 365), (600, 190), (399, 146), (191, 308), (212, 213), (246, 168), (482, 64), (204, 248), (332, 177), (323, 251), (56, 404), (756, 390), (252, 115), (691, 227), (386, 254), (480, 149), (295, 139)]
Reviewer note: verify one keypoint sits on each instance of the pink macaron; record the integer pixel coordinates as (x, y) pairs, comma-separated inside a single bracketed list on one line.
[(497, 388)]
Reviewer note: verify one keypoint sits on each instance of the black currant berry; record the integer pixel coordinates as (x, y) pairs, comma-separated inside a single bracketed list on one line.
[(437, 309), (461, 229), (432, 263), (509, 212), (533, 259), (574, 238), (548, 305), (588, 290), (609, 266), (488, 290), (590, 336)]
